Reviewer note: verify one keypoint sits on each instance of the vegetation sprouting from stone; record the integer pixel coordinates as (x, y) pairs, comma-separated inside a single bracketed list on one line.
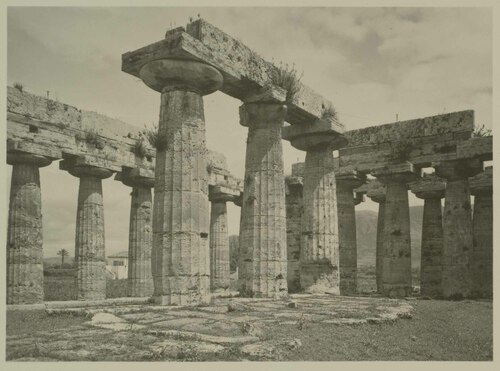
[(288, 78), (154, 138), (92, 137), (329, 113), (18, 86), (401, 150), (482, 131), (140, 148)]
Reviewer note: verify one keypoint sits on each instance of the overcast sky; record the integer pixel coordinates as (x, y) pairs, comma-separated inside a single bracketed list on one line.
[(372, 63)]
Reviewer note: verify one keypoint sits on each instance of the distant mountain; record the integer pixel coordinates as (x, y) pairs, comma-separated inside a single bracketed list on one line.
[(56, 260)]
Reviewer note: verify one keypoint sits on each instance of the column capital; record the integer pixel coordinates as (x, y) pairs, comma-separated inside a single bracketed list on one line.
[(262, 114), (14, 158), (175, 74), (79, 168), (319, 135), (349, 179), (482, 183), (220, 193), (458, 169), (374, 189), (429, 186), (137, 177)]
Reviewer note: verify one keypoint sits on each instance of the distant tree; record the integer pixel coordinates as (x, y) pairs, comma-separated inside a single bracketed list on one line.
[(234, 248), (63, 253)]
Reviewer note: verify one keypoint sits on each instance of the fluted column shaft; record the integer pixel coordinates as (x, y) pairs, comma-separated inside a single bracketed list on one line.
[(24, 233), (263, 247), (219, 246), (379, 250), (140, 279), (457, 228), (90, 258), (180, 224), (432, 248), (396, 261), (293, 232), (347, 235), (482, 229), (319, 262)]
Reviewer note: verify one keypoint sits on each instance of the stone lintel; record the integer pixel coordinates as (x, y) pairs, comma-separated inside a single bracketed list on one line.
[(268, 93), (429, 186), (409, 130), (320, 132), (137, 177), (242, 69), (18, 146), (458, 169), (400, 170), (482, 182), (293, 180), (480, 147)]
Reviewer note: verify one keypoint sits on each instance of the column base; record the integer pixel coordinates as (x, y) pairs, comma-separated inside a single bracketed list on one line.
[(319, 277), (184, 290), (396, 291)]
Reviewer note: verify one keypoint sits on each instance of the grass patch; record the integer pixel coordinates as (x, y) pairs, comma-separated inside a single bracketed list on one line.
[(154, 138), (288, 78)]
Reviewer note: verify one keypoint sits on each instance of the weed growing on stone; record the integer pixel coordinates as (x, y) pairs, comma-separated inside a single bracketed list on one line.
[(154, 138), (329, 113), (288, 78), (18, 86), (140, 148), (481, 132)]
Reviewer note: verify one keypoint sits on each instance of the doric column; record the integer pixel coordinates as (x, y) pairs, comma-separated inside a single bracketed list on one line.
[(481, 187), (396, 262), (319, 257), (140, 235), (294, 185), (219, 237), (457, 227), (263, 249), (180, 254), (90, 257), (377, 194), (24, 233), (431, 189), (348, 257)]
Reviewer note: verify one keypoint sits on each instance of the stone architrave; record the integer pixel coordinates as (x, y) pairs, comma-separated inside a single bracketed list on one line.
[(319, 258), (431, 189), (457, 227), (348, 257), (262, 268), (24, 233), (140, 278), (180, 254), (294, 186), (481, 187), (396, 275), (219, 237)]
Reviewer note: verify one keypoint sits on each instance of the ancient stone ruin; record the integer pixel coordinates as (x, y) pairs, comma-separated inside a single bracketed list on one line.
[(297, 234)]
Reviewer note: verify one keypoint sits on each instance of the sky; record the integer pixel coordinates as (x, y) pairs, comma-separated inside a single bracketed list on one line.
[(372, 63)]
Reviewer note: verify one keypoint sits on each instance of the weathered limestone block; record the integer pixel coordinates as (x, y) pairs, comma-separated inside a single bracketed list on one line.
[(457, 227), (376, 191), (90, 257), (481, 187), (140, 278), (219, 237), (24, 233), (431, 189), (347, 232), (180, 254), (294, 208), (396, 275), (263, 247)]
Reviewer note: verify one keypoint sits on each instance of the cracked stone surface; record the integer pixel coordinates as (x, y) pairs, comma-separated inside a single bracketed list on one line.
[(139, 332)]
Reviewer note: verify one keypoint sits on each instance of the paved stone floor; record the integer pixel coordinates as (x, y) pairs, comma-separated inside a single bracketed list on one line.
[(228, 325)]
